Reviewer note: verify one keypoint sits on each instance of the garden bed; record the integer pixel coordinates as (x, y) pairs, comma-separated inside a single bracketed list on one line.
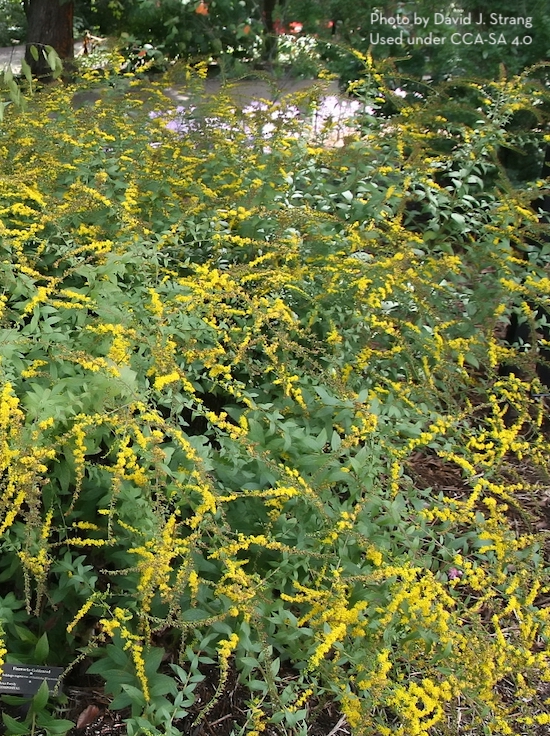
[(261, 472)]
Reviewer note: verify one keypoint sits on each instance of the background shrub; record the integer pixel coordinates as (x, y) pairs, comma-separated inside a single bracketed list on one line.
[(13, 23)]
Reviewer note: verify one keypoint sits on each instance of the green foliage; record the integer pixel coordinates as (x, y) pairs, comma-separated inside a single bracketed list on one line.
[(508, 35), (12, 22), (181, 29), (37, 719), (477, 41), (229, 352), (12, 91)]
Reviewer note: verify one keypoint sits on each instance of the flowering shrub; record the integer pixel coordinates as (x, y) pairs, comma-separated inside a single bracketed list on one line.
[(226, 372)]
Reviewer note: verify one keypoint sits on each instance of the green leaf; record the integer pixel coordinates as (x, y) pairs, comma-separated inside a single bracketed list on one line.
[(42, 649), (458, 218), (15, 92), (52, 59), (41, 698), (25, 68), (194, 614), (51, 724), (258, 685), (134, 693), (58, 69), (160, 684), (122, 700), (153, 658), (63, 475), (34, 52), (25, 635), (115, 656), (15, 728), (16, 700), (56, 726)]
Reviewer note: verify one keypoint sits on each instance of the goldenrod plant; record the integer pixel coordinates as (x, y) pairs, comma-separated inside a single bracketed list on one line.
[(16, 90), (251, 414)]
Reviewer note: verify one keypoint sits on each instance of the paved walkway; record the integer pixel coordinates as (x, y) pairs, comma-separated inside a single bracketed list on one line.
[(242, 91), (333, 106), (11, 56)]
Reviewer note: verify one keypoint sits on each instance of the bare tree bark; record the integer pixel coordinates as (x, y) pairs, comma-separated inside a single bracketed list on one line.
[(50, 23), (270, 33)]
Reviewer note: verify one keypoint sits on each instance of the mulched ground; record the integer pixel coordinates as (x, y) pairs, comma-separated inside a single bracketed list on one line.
[(89, 708)]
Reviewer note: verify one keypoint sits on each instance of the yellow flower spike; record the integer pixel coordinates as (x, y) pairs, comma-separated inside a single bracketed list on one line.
[(155, 305), (139, 663), (3, 649), (82, 611)]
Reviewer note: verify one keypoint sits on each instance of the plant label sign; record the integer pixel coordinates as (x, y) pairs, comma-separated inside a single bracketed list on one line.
[(25, 679)]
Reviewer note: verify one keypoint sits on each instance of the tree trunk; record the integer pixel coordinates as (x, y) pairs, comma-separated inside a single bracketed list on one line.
[(50, 23), (269, 51)]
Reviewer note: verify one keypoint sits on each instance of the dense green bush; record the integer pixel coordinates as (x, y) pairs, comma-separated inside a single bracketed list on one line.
[(181, 29), (230, 355), (13, 23), (503, 35)]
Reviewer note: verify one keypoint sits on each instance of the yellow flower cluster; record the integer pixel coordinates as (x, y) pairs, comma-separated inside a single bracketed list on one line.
[(155, 565), (121, 618)]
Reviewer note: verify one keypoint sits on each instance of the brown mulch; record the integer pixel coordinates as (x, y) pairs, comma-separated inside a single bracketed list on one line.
[(89, 708), (530, 514), (430, 471)]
